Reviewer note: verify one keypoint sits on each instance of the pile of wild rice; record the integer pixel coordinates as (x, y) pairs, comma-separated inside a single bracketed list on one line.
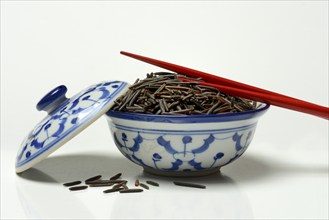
[(163, 93)]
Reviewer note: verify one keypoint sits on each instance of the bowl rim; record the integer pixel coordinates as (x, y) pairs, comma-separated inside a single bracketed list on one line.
[(197, 118)]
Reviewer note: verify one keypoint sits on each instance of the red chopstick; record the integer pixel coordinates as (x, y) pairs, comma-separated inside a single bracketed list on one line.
[(240, 89)]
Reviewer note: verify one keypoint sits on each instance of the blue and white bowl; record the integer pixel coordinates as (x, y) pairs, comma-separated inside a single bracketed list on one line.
[(183, 145)]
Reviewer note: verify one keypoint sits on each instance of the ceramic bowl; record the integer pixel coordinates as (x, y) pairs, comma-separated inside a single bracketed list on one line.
[(183, 145)]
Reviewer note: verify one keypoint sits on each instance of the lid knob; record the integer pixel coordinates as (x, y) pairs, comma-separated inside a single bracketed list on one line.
[(53, 100)]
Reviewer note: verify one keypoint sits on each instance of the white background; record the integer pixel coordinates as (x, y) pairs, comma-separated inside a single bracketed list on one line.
[(280, 46)]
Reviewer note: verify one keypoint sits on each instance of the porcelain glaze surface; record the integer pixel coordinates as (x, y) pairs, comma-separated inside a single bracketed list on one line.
[(183, 144), (66, 118)]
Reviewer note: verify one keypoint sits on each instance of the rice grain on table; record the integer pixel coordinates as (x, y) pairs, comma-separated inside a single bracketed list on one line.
[(72, 183), (131, 190), (144, 186), (112, 190), (150, 182), (186, 184), (77, 188), (116, 176), (93, 178)]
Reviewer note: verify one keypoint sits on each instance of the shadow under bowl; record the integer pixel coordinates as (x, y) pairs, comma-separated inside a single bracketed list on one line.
[(183, 145)]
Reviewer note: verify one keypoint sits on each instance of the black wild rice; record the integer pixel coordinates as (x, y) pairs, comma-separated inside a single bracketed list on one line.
[(131, 190), (164, 93), (115, 177), (100, 183), (113, 190), (76, 188), (93, 178), (72, 183), (152, 183), (189, 185), (144, 186)]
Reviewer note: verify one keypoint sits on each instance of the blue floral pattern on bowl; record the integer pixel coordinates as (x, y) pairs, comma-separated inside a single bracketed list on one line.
[(170, 146), (182, 151)]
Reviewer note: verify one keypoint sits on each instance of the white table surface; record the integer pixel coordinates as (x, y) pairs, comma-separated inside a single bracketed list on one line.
[(280, 46)]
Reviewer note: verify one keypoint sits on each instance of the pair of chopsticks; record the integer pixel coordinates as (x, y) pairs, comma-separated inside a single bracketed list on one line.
[(239, 89)]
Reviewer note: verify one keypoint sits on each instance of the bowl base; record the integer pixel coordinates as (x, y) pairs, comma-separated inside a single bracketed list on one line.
[(181, 173)]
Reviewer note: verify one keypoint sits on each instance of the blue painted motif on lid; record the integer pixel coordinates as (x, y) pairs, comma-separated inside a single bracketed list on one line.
[(66, 117)]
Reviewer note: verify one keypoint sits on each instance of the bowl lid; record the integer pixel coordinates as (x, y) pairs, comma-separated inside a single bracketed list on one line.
[(66, 118)]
